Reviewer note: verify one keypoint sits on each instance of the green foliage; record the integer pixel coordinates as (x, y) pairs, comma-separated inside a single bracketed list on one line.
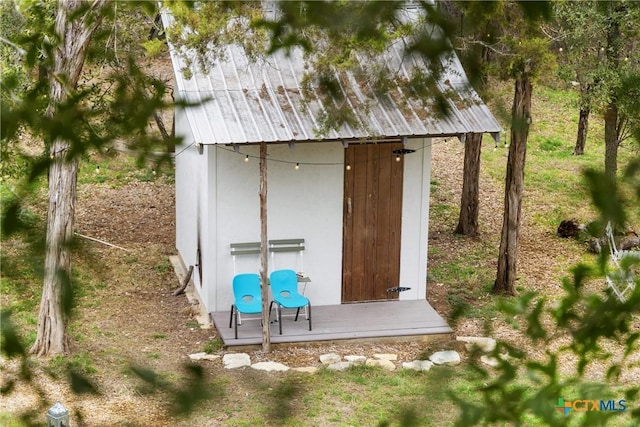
[(593, 322), (596, 46), (10, 51), (520, 393), (154, 48), (502, 39), (11, 343), (336, 37), (207, 28), (530, 57), (9, 420), (102, 109)]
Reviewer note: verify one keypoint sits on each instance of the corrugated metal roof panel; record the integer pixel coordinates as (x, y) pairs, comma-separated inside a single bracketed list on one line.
[(243, 101)]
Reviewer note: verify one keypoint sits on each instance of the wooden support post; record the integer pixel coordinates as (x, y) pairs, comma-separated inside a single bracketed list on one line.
[(264, 267)]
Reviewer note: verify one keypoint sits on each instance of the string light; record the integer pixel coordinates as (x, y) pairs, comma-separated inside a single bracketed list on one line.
[(396, 153)]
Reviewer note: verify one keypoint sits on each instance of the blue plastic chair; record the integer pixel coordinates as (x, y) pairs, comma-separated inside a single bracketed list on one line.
[(247, 297), (284, 287)]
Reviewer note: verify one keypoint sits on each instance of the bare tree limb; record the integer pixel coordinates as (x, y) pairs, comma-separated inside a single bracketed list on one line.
[(101, 241), (185, 282), (488, 46)]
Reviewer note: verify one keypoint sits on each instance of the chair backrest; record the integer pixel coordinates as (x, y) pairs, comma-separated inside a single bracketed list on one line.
[(611, 240), (283, 281), (246, 286), (243, 249), (286, 247)]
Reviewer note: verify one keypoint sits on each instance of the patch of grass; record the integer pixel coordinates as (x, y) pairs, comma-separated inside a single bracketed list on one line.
[(360, 395), (21, 279), (212, 346), (80, 363), (552, 144), (283, 398), (116, 170), (443, 212), (468, 279), (476, 303), (10, 420), (158, 336), (146, 175), (163, 267), (250, 422)]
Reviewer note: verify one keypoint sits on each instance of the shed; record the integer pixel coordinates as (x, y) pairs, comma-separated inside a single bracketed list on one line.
[(357, 196)]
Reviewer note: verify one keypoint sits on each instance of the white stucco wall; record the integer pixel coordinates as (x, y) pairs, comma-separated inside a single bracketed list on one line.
[(415, 219), (220, 191), (188, 169), (191, 184), (304, 203)]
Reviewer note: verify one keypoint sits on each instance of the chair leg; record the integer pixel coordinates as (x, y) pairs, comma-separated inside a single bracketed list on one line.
[(231, 316), (270, 308), (309, 306), (280, 318), (297, 313), (236, 325)]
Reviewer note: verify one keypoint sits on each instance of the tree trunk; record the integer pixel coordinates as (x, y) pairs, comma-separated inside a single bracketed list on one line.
[(583, 128), (264, 266), (514, 183), (51, 338), (611, 113), (75, 34), (161, 126), (611, 139), (469, 204)]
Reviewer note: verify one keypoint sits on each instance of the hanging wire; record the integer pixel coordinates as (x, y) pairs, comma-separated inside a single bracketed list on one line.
[(184, 149), (297, 163)]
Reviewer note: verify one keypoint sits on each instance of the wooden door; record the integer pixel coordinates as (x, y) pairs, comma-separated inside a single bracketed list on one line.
[(371, 222)]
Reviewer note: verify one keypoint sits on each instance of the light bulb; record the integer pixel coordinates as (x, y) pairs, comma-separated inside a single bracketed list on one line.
[(297, 166), (348, 167), (397, 158), (246, 159)]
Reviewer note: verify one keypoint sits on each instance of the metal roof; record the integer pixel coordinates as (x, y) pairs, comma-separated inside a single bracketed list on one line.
[(242, 101)]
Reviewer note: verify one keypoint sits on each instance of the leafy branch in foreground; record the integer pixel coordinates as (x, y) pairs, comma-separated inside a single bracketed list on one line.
[(582, 330)]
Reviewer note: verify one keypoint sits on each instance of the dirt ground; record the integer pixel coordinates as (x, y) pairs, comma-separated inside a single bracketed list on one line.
[(134, 318)]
